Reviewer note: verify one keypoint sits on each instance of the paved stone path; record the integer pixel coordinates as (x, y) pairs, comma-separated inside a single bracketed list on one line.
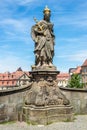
[(80, 123)]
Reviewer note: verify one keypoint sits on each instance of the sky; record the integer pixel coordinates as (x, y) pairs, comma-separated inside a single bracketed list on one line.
[(70, 29)]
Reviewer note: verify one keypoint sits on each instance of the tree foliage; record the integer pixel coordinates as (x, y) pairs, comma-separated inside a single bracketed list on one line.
[(75, 81)]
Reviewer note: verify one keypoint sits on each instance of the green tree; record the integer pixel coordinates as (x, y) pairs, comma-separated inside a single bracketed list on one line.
[(75, 81)]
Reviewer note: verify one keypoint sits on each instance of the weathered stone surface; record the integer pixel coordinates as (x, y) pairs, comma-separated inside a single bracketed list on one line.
[(3, 115), (48, 114), (44, 67), (10, 106), (44, 90), (78, 99), (45, 103)]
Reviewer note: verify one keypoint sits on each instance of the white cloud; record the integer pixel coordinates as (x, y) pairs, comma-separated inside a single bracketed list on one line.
[(78, 56), (16, 29), (74, 41), (16, 24), (11, 63), (24, 2), (83, 5), (4, 46), (19, 2), (75, 20)]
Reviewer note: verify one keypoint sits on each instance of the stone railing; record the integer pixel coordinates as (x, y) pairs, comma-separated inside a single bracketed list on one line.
[(78, 99), (11, 102), (13, 90)]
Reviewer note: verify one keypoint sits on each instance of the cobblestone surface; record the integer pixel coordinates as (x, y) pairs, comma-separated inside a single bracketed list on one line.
[(80, 123)]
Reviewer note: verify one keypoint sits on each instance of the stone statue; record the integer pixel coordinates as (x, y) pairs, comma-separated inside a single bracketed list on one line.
[(43, 36), (44, 89), (44, 101)]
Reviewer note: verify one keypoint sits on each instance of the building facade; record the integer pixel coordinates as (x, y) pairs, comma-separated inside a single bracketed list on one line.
[(84, 73), (63, 79), (14, 79)]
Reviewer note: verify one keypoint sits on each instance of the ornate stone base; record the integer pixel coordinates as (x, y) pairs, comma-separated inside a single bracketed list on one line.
[(48, 114), (44, 90), (44, 102)]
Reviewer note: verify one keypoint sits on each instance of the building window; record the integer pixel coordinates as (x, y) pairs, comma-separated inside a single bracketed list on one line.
[(12, 82), (3, 76), (2, 82), (84, 70), (7, 82)]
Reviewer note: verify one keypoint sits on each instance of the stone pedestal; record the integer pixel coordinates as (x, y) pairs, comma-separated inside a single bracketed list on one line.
[(44, 102), (47, 115)]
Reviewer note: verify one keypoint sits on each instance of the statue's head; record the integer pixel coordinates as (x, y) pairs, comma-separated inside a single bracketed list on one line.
[(47, 14)]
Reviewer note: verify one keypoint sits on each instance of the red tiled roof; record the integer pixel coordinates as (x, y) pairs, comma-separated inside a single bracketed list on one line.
[(63, 76), (77, 70), (10, 79), (85, 63)]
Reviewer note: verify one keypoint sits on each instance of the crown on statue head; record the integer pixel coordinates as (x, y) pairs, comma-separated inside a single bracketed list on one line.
[(46, 10)]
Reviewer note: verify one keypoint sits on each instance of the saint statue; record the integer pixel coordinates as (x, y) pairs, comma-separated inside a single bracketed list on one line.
[(43, 36)]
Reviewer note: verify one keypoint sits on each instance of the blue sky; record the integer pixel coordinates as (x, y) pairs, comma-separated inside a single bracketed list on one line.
[(70, 29)]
